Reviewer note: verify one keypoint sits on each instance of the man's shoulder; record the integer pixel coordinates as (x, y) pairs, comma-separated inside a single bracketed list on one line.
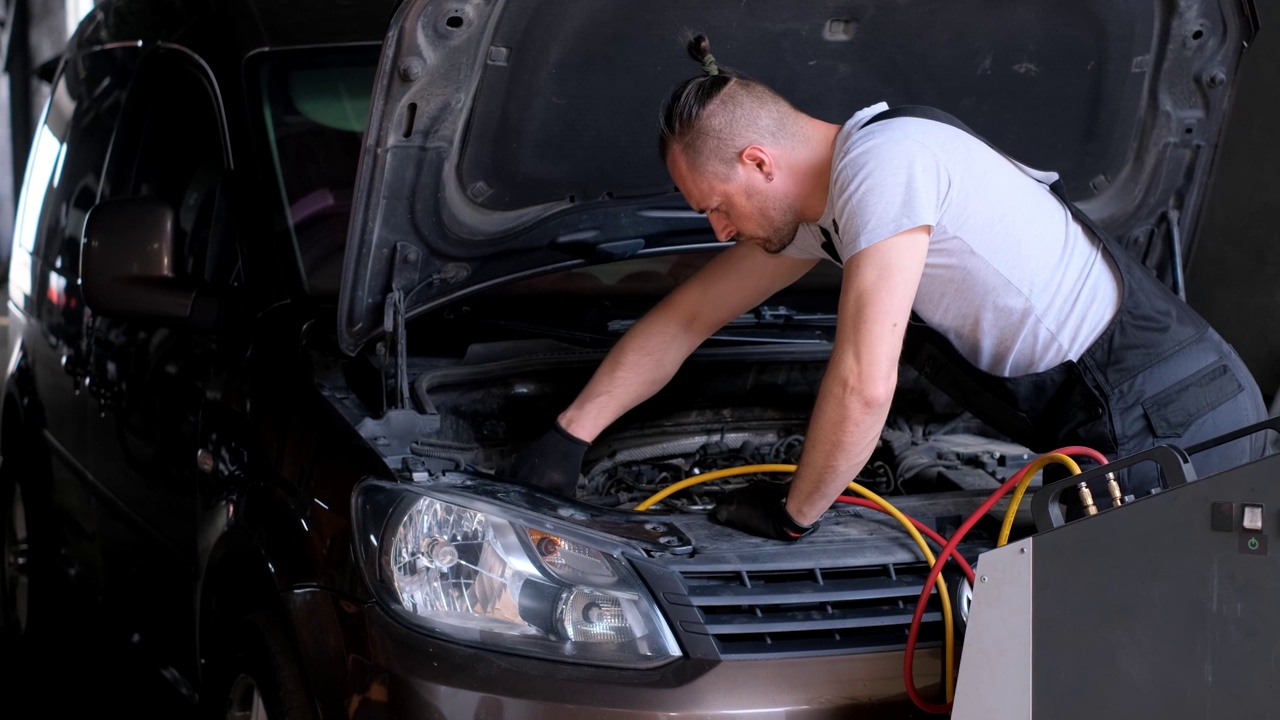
[(887, 150), (900, 134)]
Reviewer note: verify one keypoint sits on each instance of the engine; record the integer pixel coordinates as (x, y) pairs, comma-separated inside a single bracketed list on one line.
[(713, 416), (636, 473), (908, 459)]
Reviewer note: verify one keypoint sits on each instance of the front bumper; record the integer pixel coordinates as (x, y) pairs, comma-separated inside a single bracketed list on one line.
[(361, 663)]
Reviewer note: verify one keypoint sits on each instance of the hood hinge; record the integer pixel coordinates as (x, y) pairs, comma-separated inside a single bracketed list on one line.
[(404, 273)]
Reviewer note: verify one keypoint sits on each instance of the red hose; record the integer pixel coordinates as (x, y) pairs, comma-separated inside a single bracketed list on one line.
[(908, 658), (928, 531)]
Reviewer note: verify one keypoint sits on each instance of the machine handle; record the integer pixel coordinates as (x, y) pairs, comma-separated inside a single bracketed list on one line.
[(1173, 462), (1272, 424)]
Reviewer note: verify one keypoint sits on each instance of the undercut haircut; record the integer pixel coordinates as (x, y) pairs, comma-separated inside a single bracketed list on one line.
[(713, 117)]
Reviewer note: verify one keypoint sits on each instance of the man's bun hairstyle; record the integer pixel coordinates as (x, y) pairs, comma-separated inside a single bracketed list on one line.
[(683, 109), (709, 115), (699, 48)]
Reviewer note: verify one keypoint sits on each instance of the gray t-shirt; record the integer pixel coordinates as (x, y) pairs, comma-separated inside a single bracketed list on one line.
[(1011, 279)]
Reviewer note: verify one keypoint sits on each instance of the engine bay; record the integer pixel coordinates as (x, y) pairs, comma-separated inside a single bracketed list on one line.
[(908, 460), (726, 408)]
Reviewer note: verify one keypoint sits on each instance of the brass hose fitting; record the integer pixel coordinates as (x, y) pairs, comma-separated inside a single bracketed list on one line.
[(1086, 499), (1113, 488)]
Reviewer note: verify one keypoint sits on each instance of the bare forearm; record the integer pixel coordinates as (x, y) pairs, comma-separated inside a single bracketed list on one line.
[(647, 357), (880, 285), (641, 363), (843, 432)]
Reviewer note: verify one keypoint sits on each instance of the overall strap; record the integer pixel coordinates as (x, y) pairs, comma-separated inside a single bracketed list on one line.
[(925, 112)]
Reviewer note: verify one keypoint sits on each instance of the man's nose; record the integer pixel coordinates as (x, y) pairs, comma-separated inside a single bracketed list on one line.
[(723, 229)]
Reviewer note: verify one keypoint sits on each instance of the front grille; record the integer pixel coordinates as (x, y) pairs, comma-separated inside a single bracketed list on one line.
[(753, 614)]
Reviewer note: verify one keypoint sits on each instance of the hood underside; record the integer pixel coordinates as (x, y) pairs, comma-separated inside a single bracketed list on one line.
[(509, 138)]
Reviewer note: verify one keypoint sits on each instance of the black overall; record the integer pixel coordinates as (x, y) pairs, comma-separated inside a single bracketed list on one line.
[(1157, 374)]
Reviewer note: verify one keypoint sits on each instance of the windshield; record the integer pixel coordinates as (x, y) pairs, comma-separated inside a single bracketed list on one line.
[(315, 105)]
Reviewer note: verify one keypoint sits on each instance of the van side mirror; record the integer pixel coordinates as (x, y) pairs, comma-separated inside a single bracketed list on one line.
[(128, 261)]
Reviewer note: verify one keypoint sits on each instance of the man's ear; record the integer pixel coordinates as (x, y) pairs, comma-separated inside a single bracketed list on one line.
[(757, 159)]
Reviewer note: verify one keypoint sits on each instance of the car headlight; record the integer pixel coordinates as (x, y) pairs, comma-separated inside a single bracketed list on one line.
[(488, 580)]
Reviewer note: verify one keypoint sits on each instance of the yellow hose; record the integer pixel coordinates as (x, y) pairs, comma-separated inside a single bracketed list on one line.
[(1036, 465), (948, 621)]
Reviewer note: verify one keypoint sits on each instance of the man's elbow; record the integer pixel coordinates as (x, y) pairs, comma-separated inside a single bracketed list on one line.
[(877, 396), (867, 394)]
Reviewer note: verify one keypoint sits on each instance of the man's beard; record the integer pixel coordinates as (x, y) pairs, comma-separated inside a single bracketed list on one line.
[(777, 240), (780, 225)]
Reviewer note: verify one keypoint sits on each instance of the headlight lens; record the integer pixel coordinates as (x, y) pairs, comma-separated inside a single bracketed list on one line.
[(482, 579)]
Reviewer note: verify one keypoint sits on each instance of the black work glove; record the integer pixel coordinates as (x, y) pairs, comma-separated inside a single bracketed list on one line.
[(552, 462), (761, 510)]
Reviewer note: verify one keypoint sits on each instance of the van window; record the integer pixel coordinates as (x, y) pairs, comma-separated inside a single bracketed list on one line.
[(316, 105), (171, 146)]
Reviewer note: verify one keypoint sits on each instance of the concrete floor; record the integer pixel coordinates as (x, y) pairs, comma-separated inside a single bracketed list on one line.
[(82, 671)]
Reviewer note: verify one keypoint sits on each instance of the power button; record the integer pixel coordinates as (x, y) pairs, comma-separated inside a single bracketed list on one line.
[(1252, 520)]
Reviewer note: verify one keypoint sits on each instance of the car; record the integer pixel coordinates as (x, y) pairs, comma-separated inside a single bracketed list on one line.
[(293, 283)]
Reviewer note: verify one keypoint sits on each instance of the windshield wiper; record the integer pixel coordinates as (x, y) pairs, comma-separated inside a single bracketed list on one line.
[(774, 337), (777, 316), (546, 330), (782, 315)]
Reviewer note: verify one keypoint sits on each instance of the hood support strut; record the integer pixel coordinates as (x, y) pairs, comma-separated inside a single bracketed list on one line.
[(393, 350), (1177, 279)]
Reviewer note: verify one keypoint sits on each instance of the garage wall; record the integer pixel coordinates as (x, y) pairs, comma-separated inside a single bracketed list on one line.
[(1234, 276), (34, 33)]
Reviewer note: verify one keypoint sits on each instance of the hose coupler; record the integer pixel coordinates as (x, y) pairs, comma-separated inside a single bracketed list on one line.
[(1086, 499), (1113, 488)]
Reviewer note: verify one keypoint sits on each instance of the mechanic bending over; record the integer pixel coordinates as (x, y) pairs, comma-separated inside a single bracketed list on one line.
[(956, 259)]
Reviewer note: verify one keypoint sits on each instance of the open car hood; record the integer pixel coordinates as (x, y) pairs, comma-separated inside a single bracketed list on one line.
[(510, 138)]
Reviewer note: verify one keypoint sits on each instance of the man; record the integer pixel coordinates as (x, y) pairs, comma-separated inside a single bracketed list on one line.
[(1019, 310)]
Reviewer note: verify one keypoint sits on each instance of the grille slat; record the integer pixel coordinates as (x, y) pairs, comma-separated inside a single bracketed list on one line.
[(805, 611), (803, 592), (812, 620)]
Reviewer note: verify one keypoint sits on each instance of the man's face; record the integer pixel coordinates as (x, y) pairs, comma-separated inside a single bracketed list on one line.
[(743, 205)]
